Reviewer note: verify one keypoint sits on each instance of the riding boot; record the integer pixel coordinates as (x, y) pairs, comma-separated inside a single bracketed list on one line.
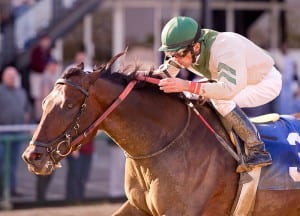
[(256, 154)]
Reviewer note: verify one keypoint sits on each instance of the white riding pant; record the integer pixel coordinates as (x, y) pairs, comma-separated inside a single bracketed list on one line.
[(253, 95)]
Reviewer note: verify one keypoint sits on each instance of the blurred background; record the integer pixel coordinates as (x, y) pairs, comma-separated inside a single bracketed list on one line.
[(70, 31)]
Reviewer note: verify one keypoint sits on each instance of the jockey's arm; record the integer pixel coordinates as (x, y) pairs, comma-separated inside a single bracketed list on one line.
[(230, 80)]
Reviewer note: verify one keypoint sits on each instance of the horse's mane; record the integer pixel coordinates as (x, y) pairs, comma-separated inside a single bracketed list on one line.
[(121, 77), (124, 77), (128, 73)]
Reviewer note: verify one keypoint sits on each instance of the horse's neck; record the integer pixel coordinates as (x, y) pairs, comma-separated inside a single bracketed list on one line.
[(143, 122)]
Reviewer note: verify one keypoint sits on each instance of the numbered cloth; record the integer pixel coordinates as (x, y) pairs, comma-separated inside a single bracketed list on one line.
[(282, 139)]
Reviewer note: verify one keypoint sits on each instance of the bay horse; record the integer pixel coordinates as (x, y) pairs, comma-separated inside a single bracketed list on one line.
[(174, 165)]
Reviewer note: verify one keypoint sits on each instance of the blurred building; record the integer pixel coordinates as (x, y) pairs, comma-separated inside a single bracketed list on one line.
[(106, 27)]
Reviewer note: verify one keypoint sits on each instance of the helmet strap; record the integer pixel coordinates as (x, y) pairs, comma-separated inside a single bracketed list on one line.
[(196, 39), (191, 49), (193, 56), (197, 35)]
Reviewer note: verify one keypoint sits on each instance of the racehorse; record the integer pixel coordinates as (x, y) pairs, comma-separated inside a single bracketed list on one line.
[(174, 165)]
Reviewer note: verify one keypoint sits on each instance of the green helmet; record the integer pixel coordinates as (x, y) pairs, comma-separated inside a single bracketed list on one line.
[(179, 33)]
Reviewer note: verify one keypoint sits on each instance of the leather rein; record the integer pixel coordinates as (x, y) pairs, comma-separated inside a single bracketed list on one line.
[(73, 143)]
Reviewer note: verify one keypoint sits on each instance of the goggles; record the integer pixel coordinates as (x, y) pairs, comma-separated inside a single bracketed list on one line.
[(179, 53)]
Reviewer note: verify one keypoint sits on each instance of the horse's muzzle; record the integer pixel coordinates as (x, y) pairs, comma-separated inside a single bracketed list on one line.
[(38, 163)]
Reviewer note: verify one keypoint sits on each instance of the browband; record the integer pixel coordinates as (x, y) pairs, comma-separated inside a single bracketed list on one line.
[(65, 81)]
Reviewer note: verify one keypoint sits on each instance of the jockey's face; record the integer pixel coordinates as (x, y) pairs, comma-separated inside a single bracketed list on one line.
[(184, 57), (184, 60)]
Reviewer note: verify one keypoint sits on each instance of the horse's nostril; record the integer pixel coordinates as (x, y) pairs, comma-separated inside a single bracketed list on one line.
[(35, 156)]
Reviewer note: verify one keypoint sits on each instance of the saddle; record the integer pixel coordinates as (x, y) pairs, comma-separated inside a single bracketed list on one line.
[(281, 135), (282, 139)]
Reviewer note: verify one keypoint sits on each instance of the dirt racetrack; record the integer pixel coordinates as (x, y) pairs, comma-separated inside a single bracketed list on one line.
[(101, 209)]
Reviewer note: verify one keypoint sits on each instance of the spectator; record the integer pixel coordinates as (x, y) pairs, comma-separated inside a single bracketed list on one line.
[(79, 166), (49, 77), (79, 162), (15, 109), (80, 57), (284, 104), (39, 58), (117, 169), (42, 186)]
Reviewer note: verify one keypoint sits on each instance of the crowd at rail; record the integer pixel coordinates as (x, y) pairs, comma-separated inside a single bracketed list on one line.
[(19, 107)]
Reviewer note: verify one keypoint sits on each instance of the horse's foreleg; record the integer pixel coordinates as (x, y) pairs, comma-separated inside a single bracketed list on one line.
[(128, 209)]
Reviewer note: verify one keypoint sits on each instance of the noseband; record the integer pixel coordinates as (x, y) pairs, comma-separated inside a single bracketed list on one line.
[(66, 139)]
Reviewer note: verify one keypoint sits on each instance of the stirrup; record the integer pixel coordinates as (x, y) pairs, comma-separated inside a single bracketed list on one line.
[(242, 166)]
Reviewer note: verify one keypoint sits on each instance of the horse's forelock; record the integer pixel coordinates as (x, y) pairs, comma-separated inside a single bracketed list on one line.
[(122, 76)]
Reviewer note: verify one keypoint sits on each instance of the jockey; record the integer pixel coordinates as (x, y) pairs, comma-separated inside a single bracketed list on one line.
[(244, 73)]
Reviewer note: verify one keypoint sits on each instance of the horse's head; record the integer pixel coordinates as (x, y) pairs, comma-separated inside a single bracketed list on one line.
[(69, 115), (63, 120)]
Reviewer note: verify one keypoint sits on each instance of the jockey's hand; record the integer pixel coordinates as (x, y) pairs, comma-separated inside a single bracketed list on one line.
[(172, 85)]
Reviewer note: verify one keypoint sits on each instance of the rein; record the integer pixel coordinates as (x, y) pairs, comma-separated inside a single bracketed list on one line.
[(191, 105), (73, 142), (140, 157), (111, 108)]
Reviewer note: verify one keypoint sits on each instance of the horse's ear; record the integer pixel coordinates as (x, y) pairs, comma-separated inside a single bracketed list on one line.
[(80, 66), (95, 68), (98, 68), (114, 58)]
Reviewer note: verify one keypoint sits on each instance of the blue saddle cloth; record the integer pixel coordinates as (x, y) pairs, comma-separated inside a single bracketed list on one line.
[(282, 139)]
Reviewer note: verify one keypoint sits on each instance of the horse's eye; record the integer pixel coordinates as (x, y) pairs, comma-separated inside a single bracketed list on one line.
[(70, 106)]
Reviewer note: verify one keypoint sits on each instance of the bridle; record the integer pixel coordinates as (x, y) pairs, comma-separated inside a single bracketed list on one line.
[(73, 143), (66, 139)]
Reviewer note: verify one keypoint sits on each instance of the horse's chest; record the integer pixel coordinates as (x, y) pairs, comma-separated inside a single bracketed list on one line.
[(156, 190)]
